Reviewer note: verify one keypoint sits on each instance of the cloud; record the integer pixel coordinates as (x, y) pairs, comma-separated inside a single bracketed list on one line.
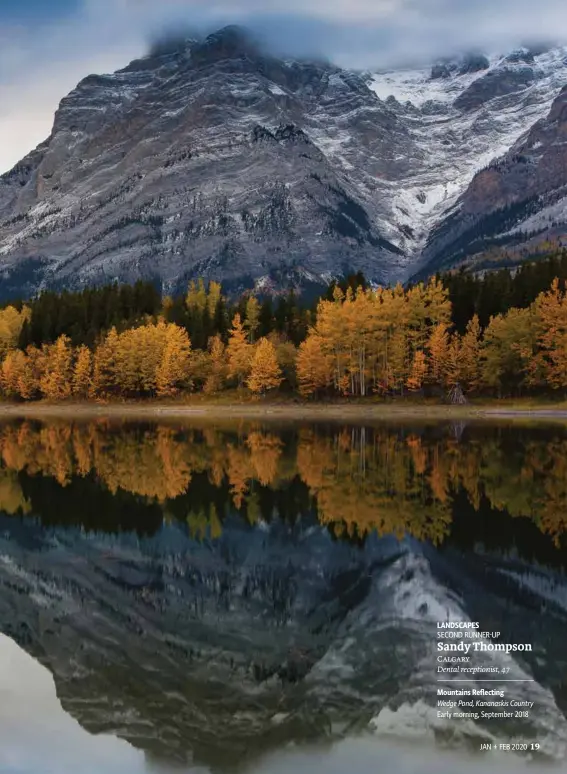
[(40, 63)]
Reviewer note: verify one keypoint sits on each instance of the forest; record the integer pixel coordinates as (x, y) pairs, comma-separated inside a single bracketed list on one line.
[(502, 334)]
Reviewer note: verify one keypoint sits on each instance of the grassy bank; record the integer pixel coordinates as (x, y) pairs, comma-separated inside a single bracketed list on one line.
[(236, 406)]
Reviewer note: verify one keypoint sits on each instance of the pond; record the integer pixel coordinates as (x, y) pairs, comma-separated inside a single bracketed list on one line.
[(255, 597)]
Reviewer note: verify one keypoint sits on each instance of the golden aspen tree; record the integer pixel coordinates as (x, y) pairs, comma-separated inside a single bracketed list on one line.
[(239, 352), (149, 344), (438, 347), (213, 297), (397, 356), (507, 340), (11, 323), (418, 372), (452, 370), (252, 317), (127, 362), (196, 298), (417, 317), (166, 305), (382, 327), (333, 334), (265, 373), (551, 311), (138, 357), (173, 371), (397, 359), (13, 374), (82, 373), (35, 367), (470, 354), (314, 366), (105, 376), (56, 381), (437, 303), (360, 321), (286, 353), (216, 366)]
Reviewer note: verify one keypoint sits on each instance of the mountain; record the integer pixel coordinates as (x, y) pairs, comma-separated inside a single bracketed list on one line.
[(467, 116), (213, 158), (210, 159), (515, 203)]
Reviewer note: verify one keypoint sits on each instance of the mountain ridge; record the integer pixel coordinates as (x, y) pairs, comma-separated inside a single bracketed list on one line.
[(214, 158)]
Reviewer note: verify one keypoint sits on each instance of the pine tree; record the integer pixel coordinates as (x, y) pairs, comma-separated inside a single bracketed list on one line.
[(265, 373)]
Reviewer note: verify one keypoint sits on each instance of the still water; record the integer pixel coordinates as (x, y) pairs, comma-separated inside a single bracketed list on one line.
[(259, 598)]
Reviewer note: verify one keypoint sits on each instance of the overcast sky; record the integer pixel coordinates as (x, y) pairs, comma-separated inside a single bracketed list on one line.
[(46, 46)]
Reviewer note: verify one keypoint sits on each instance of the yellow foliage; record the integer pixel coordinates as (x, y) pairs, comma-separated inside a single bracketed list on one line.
[(239, 352), (265, 372)]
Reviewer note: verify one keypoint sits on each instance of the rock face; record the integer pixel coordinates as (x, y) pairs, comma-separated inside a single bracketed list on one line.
[(213, 158), (205, 160), (464, 123), (519, 197)]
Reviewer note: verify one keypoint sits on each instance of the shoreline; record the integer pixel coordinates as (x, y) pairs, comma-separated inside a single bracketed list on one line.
[(287, 412)]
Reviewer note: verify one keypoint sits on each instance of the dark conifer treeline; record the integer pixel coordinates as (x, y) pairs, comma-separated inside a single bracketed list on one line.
[(499, 291), (85, 315)]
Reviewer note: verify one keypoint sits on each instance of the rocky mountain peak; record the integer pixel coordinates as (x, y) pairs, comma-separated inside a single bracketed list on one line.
[(231, 42), (472, 62), (214, 158)]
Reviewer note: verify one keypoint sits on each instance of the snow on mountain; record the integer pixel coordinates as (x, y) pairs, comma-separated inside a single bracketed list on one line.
[(456, 141), (271, 628), (215, 159)]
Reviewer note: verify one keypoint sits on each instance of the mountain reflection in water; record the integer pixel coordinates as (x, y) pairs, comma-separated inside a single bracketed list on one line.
[(37, 737), (213, 595)]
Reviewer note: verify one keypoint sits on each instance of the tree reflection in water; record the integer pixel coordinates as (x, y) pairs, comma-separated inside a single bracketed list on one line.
[(356, 480)]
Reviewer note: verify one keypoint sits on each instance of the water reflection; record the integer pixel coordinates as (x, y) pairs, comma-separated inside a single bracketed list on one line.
[(38, 737), (356, 480), (213, 595)]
